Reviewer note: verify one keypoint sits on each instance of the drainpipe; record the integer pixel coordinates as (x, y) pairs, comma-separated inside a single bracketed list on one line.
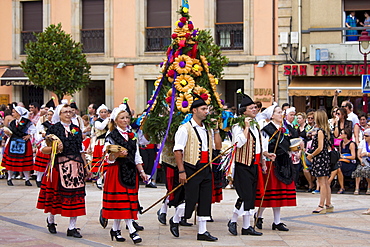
[(275, 94), (299, 30)]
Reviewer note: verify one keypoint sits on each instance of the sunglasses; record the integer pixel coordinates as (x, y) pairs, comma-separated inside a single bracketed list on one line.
[(310, 118), (338, 113), (366, 135)]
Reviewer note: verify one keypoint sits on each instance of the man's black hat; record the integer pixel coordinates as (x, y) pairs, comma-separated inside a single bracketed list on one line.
[(50, 103)]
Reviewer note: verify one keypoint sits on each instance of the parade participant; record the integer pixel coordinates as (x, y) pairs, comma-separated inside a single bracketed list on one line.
[(320, 159), (76, 119), (193, 150), (41, 159), (18, 155), (280, 190), (63, 188), (247, 159), (148, 152), (288, 122), (120, 193), (100, 130)]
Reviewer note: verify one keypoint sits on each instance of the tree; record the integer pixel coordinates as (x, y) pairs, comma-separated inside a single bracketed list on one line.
[(56, 63)]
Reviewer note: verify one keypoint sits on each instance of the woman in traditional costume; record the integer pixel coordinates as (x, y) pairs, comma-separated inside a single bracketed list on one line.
[(41, 159), (280, 190), (120, 194), (18, 155), (63, 188)]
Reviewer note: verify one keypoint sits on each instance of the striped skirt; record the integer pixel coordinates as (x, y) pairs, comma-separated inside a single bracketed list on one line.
[(41, 161), (18, 162), (119, 202)]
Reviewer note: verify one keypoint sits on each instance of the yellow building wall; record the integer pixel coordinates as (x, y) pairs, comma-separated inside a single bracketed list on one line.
[(124, 86), (6, 30), (60, 12), (124, 28)]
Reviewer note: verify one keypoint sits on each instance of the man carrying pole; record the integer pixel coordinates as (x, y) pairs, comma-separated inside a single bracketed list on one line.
[(247, 159), (192, 150)]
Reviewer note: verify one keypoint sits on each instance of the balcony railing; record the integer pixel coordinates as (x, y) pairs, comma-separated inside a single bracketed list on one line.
[(157, 38), (229, 36), (26, 37), (92, 40), (346, 37)]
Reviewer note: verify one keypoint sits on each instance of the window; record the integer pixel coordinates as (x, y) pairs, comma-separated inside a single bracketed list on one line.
[(229, 24), (230, 88), (150, 89), (158, 28), (92, 32), (359, 7), (31, 22)]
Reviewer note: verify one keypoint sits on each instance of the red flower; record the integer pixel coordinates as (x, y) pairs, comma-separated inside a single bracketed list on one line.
[(169, 99), (174, 35), (187, 35), (183, 19), (131, 135), (190, 26), (171, 73), (204, 96), (282, 129)]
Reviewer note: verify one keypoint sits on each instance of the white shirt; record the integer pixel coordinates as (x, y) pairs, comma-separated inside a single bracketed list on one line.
[(141, 138), (181, 136), (353, 117), (109, 141), (238, 136), (101, 125)]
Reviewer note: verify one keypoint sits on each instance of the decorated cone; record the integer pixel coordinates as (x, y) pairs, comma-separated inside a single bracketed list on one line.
[(190, 70)]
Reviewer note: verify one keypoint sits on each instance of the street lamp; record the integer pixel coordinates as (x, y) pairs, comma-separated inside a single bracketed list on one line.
[(363, 43)]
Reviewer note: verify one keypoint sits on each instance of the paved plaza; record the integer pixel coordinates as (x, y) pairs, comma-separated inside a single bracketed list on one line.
[(21, 224)]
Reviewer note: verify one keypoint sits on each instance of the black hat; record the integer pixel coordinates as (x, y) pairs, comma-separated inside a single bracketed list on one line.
[(246, 100), (73, 104), (125, 100), (50, 103), (198, 102)]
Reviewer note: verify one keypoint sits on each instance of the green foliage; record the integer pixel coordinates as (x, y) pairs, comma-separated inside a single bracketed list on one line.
[(56, 63)]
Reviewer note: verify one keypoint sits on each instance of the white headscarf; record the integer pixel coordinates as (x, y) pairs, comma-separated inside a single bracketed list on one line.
[(21, 111), (289, 110), (56, 116), (114, 114), (269, 111), (102, 107)]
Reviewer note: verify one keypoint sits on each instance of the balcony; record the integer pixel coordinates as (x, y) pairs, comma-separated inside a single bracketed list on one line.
[(157, 38), (26, 37), (92, 40), (229, 36)]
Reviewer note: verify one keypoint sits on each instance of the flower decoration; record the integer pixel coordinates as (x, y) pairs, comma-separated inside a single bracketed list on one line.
[(183, 64), (184, 82), (131, 135), (184, 102), (205, 63), (185, 10), (197, 69), (163, 66), (75, 130), (190, 25), (239, 91), (21, 122), (203, 93), (212, 81), (183, 19), (174, 36), (219, 101)]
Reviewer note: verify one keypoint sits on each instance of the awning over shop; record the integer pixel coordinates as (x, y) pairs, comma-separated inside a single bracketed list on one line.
[(14, 77), (325, 86)]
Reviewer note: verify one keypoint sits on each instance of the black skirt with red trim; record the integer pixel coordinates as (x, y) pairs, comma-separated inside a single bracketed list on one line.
[(55, 199), (119, 202), (41, 161), (172, 181), (216, 183), (278, 194), (18, 162)]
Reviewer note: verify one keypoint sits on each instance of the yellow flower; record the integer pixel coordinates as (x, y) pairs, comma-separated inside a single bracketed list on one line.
[(183, 82), (183, 64), (190, 83), (216, 81), (185, 10)]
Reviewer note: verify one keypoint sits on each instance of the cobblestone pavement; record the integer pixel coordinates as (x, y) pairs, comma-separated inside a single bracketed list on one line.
[(21, 224)]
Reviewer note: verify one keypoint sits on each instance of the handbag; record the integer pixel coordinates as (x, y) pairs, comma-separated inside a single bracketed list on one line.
[(334, 156)]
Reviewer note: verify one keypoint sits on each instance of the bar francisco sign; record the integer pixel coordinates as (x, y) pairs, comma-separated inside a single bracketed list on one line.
[(325, 69)]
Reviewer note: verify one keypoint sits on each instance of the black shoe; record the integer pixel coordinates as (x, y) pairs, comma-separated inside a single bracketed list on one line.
[(280, 227), (137, 227), (184, 222), (232, 228), (251, 231), (10, 183), (210, 220), (51, 227), (206, 237), (74, 233), (38, 183), (151, 185), (27, 183), (162, 217), (117, 235), (135, 237), (259, 221), (103, 221), (174, 228)]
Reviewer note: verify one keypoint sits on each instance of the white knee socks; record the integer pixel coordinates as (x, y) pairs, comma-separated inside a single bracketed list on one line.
[(116, 225), (179, 213), (234, 218), (39, 176), (51, 218), (202, 228), (164, 207), (246, 221), (10, 175), (276, 215), (261, 210), (130, 226), (72, 223), (26, 175)]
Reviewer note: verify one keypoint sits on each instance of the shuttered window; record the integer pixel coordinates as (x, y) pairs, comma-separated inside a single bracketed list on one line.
[(356, 5), (158, 13), (31, 22), (229, 11), (92, 32)]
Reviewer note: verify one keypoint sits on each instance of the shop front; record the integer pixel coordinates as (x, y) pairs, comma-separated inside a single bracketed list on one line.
[(313, 86)]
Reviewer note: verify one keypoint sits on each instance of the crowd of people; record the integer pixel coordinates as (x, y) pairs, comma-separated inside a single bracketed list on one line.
[(272, 147)]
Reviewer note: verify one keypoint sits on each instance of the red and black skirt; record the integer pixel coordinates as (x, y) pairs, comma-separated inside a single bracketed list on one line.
[(119, 201), (97, 158), (41, 161), (277, 194), (18, 162), (63, 191)]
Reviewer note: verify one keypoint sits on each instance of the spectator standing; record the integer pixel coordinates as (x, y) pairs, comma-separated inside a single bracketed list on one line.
[(34, 115), (92, 108), (351, 21)]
